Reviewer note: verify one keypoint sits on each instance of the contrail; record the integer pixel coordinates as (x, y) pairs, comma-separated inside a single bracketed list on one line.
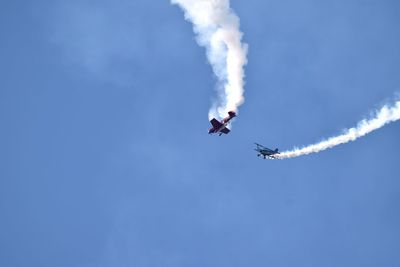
[(381, 117), (217, 29)]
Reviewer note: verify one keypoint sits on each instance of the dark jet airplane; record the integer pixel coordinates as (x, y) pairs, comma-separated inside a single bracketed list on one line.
[(265, 152), (220, 126)]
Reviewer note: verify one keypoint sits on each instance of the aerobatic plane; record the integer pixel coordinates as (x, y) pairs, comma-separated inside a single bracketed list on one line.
[(220, 126), (266, 152)]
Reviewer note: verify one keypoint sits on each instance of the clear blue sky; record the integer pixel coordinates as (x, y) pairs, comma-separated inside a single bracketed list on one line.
[(106, 160)]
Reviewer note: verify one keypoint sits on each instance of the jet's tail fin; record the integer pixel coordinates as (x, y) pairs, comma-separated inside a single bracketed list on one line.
[(232, 114), (276, 150)]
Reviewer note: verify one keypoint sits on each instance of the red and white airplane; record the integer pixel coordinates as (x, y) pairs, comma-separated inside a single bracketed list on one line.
[(220, 126)]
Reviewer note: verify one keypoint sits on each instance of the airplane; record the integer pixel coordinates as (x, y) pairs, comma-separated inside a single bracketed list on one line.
[(220, 126), (266, 152)]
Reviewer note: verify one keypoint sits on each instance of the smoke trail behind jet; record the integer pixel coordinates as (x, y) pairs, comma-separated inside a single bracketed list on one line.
[(217, 29), (387, 114)]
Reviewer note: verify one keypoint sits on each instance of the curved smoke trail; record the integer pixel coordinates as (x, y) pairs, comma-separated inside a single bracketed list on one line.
[(217, 29), (387, 114)]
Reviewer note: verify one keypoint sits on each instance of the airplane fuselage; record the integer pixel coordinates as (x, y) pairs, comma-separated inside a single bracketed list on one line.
[(217, 130)]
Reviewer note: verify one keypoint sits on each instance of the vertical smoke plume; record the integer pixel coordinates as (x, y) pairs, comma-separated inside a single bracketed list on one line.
[(217, 29), (387, 114)]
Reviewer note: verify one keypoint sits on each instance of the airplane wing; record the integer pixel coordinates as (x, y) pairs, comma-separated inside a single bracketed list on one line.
[(225, 130), (260, 145), (216, 124)]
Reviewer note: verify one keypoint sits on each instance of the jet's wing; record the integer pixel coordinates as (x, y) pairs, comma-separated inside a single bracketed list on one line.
[(260, 146), (216, 124), (225, 130)]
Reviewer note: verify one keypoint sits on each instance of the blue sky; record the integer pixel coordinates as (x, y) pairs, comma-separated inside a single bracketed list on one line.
[(106, 160)]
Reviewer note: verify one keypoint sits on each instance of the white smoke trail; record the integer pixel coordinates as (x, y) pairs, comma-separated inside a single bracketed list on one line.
[(387, 114), (217, 29)]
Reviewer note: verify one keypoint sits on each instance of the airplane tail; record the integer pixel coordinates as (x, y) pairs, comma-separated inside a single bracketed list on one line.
[(232, 114), (276, 150)]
